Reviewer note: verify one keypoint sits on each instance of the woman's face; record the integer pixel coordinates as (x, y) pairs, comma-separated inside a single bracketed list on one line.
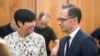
[(28, 27)]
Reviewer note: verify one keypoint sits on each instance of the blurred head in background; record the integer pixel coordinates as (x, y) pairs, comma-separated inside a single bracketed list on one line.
[(4, 48), (43, 20), (96, 35)]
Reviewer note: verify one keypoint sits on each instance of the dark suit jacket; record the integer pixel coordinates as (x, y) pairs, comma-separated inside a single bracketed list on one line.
[(82, 45)]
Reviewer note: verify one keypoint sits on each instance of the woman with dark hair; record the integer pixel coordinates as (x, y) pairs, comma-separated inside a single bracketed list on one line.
[(24, 41)]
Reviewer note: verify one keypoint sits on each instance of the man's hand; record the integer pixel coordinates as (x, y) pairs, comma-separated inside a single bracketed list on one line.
[(55, 49)]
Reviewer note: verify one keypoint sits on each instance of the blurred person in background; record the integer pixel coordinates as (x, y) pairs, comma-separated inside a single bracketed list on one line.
[(47, 32), (8, 28), (4, 48), (96, 35)]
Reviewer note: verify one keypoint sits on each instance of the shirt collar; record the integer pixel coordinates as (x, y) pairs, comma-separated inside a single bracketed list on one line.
[(72, 35)]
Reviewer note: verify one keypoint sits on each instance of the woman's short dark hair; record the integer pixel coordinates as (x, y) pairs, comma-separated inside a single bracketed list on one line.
[(24, 15)]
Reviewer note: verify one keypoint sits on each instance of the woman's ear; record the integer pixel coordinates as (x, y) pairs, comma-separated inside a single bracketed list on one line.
[(74, 20), (20, 23)]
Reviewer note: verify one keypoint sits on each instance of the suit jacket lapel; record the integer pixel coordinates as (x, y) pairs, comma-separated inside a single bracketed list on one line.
[(74, 41)]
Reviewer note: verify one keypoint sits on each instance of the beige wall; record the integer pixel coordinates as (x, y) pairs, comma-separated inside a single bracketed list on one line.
[(8, 7), (90, 10)]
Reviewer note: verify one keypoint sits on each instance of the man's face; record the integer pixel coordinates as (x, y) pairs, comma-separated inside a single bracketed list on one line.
[(64, 21), (43, 22)]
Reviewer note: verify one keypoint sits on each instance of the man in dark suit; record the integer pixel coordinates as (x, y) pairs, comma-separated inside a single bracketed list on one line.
[(79, 43)]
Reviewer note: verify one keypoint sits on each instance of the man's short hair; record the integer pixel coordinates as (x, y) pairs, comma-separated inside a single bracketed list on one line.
[(73, 11), (43, 14)]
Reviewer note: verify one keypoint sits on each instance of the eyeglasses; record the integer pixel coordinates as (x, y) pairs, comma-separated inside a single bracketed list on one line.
[(62, 19)]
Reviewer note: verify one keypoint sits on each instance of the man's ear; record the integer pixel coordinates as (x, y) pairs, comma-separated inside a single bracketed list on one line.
[(74, 20)]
